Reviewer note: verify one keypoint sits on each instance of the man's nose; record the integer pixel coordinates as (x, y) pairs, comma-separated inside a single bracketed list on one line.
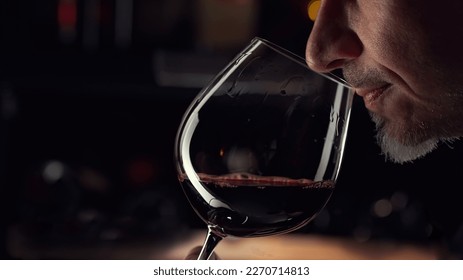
[(332, 41)]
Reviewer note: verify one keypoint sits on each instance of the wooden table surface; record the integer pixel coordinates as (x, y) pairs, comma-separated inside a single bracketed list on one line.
[(290, 246), (304, 247)]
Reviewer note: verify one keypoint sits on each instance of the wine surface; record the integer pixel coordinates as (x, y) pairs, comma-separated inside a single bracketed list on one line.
[(257, 205)]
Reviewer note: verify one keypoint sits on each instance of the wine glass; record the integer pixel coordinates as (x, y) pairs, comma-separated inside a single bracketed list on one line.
[(259, 149)]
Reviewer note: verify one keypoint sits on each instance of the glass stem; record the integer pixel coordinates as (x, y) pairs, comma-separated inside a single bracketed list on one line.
[(211, 241)]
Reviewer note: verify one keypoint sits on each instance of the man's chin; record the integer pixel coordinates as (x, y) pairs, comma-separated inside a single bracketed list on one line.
[(397, 152), (411, 146)]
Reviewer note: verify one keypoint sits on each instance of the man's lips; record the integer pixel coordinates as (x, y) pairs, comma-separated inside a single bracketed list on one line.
[(370, 95)]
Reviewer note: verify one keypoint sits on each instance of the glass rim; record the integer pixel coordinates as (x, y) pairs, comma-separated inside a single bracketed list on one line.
[(329, 75)]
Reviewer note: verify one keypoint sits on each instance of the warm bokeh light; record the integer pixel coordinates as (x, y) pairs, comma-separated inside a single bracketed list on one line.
[(221, 152), (382, 208), (312, 9), (67, 13)]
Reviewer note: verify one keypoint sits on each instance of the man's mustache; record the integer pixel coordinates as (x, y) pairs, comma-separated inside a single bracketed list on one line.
[(361, 77)]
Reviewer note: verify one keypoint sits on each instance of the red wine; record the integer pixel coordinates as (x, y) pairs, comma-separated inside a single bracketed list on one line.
[(257, 205)]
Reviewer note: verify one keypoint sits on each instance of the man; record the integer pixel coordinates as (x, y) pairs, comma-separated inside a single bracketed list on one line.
[(404, 57)]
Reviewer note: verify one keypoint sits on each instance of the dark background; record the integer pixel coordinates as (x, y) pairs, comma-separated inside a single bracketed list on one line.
[(89, 115)]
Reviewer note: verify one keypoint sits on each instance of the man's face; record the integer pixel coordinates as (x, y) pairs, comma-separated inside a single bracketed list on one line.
[(405, 58)]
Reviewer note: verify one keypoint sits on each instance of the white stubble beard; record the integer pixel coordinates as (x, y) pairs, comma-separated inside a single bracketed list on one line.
[(396, 151)]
